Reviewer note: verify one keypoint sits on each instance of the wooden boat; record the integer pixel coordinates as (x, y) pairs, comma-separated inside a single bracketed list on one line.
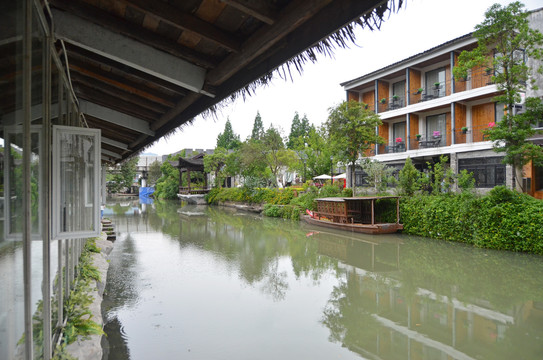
[(368, 215)]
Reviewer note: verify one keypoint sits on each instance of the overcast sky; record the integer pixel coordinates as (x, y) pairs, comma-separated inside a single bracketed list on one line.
[(417, 27)]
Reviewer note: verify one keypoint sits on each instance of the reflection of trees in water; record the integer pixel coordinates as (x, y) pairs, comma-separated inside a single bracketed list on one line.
[(247, 241), (434, 281)]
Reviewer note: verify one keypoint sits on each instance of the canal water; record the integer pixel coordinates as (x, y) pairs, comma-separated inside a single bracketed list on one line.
[(212, 283)]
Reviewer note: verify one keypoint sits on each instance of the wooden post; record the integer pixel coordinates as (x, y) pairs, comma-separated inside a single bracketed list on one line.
[(397, 210), (188, 179), (373, 211)]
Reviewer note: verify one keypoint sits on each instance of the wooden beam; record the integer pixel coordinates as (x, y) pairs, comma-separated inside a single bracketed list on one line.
[(121, 73), (96, 96), (184, 21), (114, 143), (124, 85), (116, 93), (121, 26), (294, 15), (260, 10), (110, 153), (127, 51), (115, 117)]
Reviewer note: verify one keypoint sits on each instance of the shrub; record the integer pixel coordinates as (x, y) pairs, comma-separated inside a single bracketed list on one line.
[(504, 219)]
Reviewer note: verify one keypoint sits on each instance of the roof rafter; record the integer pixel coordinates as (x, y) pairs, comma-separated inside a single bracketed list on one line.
[(181, 20), (115, 117), (127, 51), (258, 9), (121, 26)]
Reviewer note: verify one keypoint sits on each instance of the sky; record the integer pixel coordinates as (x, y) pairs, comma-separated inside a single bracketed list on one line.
[(418, 26)]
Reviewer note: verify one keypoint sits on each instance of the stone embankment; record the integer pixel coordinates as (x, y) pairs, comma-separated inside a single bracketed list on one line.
[(90, 348)]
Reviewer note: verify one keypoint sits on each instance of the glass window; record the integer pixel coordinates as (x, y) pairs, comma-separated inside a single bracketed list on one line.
[(76, 157), (398, 93), (499, 112), (436, 126), (398, 130), (487, 172), (435, 80)]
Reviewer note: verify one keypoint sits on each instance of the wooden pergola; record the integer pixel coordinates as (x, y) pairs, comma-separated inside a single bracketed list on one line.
[(194, 164)]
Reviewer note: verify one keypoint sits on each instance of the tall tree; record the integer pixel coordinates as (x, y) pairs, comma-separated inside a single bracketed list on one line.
[(228, 139), (258, 128), (504, 40), (299, 131), (351, 130)]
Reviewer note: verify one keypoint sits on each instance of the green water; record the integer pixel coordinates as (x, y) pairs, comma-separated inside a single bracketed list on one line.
[(212, 283)]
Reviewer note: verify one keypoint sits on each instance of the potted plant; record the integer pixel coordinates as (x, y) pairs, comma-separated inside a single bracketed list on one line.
[(488, 70), (366, 106), (437, 134), (464, 129), (395, 98), (437, 85), (419, 91), (418, 136), (383, 101), (398, 140)]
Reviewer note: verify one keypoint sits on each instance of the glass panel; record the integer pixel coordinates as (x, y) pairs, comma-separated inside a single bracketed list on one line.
[(11, 251), (398, 93), (435, 81), (399, 132), (76, 162), (435, 126)]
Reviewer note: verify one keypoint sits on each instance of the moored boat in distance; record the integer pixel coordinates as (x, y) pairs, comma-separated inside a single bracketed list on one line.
[(369, 215)]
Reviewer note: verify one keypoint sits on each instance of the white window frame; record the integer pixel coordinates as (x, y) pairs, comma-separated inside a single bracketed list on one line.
[(58, 234)]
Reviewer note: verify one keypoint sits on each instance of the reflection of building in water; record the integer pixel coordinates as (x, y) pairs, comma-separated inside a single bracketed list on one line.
[(397, 319)]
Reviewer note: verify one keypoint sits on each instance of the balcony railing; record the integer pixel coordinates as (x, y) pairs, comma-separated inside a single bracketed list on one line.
[(427, 141), (478, 77)]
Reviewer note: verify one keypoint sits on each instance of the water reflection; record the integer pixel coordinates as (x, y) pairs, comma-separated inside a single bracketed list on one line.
[(228, 285)]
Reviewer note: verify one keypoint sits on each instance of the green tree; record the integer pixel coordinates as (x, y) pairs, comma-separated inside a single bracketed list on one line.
[(228, 139), (258, 128), (408, 178), (504, 38), (299, 131), (276, 155), (379, 174), (154, 173), (215, 163), (351, 130), (122, 177), (167, 186)]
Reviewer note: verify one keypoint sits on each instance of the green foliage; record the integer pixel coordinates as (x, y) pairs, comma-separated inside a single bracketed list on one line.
[(409, 179), (329, 191), (228, 139), (154, 173), (504, 219), (122, 177), (299, 132), (351, 130), (379, 175), (502, 36), (347, 192), (258, 128), (465, 181), (307, 199), (290, 212), (167, 186)]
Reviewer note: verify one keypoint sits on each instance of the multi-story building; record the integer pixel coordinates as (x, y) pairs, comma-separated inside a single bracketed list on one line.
[(427, 113)]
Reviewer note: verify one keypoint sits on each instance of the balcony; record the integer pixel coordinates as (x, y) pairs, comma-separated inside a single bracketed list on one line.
[(405, 147)]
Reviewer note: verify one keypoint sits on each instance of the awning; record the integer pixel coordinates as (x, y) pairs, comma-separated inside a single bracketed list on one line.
[(322, 177)]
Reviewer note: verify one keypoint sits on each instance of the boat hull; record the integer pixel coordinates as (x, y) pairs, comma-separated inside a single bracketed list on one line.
[(376, 229)]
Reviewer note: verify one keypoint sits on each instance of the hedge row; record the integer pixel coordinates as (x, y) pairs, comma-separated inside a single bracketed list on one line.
[(503, 220)]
